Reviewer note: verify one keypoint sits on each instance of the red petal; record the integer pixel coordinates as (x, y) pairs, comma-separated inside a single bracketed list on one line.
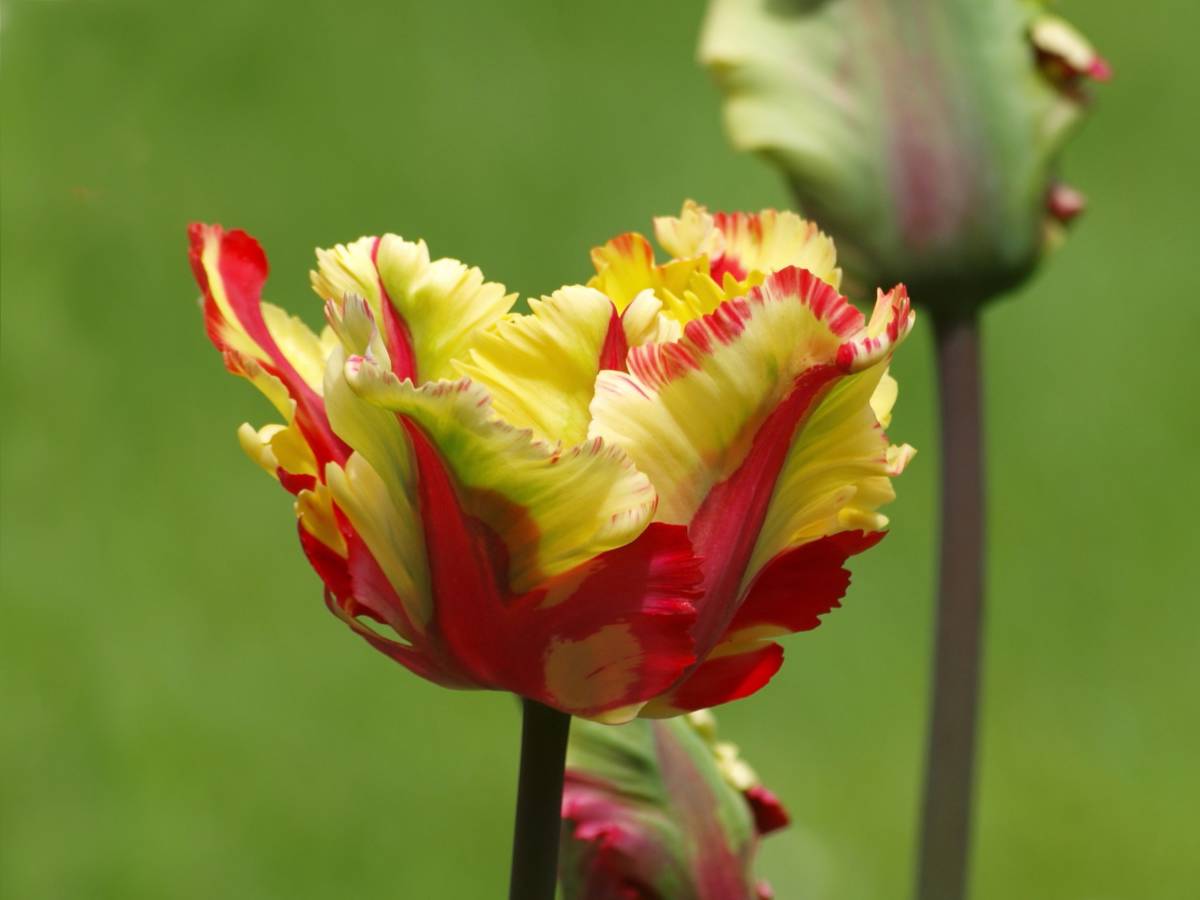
[(329, 565), (726, 264), (726, 527), (799, 585), (724, 679), (647, 586), (396, 335), (769, 814), (413, 659), (467, 566), (616, 347)]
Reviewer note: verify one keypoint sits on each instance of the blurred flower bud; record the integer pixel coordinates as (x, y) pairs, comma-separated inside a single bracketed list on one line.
[(921, 136), (661, 810)]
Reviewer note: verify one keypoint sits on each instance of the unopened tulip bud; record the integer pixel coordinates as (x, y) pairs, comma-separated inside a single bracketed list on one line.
[(922, 137), (660, 810)]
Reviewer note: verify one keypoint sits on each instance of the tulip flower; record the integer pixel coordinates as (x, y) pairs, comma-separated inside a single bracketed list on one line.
[(469, 551), (661, 810), (752, 395)]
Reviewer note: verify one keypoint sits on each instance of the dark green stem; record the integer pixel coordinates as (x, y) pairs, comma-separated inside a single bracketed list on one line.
[(539, 802), (950, 760)]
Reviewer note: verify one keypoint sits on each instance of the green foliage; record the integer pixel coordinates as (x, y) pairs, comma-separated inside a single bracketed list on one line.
[(181, 716)]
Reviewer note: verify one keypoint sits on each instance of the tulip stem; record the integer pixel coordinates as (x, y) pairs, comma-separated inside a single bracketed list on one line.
[(539, 802), (950, 753)]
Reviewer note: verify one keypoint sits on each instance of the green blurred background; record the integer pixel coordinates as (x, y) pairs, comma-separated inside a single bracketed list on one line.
[(180, 716)]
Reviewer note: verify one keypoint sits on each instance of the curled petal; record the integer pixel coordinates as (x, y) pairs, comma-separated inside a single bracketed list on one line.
[(541, 369), (730, 671), (429, 311), (644, 322), (789, 594), (277, 352), (739, 243)]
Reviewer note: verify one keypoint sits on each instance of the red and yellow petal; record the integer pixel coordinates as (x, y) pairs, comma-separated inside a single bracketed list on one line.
[(789, 594), (280, 356), (687, 411), (555, 507), (623, 634), (597, 641), (429, 311), (276, 352), (758, 430), (748, 246)]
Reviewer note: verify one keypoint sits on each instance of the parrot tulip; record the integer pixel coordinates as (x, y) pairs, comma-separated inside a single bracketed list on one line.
[(615, 500)]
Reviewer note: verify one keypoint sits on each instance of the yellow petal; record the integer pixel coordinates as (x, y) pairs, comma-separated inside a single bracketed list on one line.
[(692, 234), (541, 369), (645, 322), (314, 509), (625, 267), (771, 240)]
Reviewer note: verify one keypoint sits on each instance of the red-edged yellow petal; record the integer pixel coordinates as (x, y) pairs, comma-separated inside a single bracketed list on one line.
[(839, 470), (716, 257), (598, 641), (687, 411), (231, 269), (429, 311), (740, 244), (384, 517), (721, 421), (283, 358), (554, 507), (625, 267)]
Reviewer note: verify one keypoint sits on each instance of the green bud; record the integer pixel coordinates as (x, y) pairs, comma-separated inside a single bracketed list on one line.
[(661, 810), (922, 135)]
